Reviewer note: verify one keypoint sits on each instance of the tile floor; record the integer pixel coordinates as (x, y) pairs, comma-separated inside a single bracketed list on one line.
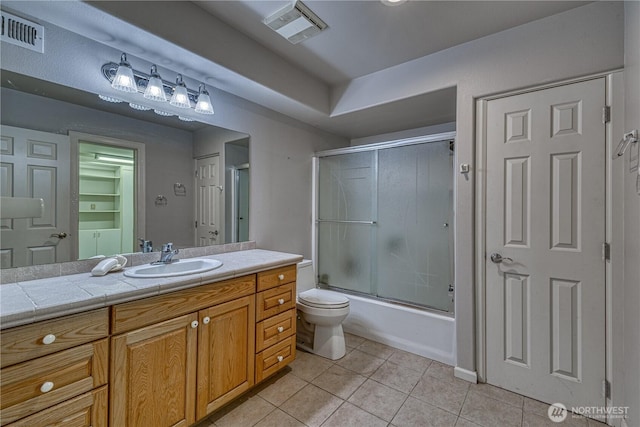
[(377, 385)]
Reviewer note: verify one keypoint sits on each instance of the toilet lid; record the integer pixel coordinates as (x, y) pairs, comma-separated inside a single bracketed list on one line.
[(321, 298)]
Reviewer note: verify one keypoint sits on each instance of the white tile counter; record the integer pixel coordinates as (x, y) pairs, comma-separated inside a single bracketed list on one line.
[(30, 301)]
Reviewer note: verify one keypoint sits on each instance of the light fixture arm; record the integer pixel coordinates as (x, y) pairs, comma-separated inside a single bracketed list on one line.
[(109, 71)]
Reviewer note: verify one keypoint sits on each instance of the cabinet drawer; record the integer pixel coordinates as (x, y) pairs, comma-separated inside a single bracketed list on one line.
[(275, 301), (89, 409), (276, 277), (38, 384), (275, 358), (28, 342), (273, 329)]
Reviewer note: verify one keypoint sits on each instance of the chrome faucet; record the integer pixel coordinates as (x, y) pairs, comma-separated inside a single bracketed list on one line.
[(167, 253), (146, 245)]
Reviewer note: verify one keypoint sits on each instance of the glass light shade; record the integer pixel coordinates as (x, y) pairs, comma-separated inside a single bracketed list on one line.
[(185, 119), (155, 88), (139, 107), (180, 97), (124, 79), (203, 105), (109, 98), (162, 113)]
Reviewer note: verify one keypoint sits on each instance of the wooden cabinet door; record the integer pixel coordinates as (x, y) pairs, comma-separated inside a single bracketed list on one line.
[(226, 347), (153, 375)]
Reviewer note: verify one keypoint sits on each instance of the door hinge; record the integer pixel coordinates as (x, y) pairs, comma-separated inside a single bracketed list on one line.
[(606, 389), (606, 252), (196, 173), (606, 114), (196, 224)]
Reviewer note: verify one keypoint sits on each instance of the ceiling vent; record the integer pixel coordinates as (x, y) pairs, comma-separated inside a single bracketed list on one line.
[(295, 22), (19, 31)]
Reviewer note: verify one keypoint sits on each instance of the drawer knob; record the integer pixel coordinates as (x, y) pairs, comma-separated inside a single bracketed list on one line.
[(280, 329), (48, 339), (206, 320), (280, 358), (194, 324), (280, 301), (281, 276), (46, 387)]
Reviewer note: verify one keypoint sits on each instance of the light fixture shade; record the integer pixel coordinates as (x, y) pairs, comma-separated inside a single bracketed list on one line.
[(180, 97), (203, 106), (124, 79), (155, 88)]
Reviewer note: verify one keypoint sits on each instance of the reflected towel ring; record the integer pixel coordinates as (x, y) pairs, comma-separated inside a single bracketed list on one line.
[(161, 200), (627, 139)]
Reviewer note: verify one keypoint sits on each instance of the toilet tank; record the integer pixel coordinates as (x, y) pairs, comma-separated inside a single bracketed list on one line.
[(306, 278)]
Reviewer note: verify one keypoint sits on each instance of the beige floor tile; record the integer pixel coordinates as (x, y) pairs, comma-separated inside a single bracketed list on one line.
[(490, 412), (281, 388), (417, 413), (410, 360), (465, 423), (308, 366), (279, 418), (497, 393), (362, 363), (445, 395), (595, 423), (396, 376), (535, 407), (378, 399), (376, 349), (311, 405), (352, 341), (533, 420), (339, 381), (349, 415), (247, 413), (445, 373)]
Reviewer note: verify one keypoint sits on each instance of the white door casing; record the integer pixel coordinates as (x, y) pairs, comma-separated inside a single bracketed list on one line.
[(208, 195), (35, 164), (545, 210)]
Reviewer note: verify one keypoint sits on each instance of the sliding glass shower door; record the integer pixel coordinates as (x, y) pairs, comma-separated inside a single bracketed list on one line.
[(385, 222)]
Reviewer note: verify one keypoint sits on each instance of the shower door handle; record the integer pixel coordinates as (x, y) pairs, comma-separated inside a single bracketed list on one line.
[(497, 258)]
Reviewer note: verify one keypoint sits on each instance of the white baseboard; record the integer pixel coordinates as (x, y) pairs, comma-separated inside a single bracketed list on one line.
[(464, 374)]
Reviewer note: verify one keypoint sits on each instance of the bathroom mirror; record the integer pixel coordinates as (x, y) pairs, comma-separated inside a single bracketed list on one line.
[(104, 145)]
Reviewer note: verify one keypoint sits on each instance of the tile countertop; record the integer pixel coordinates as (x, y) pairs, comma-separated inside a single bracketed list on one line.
[(27, 302)]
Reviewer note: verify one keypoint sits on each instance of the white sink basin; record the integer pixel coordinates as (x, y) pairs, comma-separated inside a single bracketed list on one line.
[(177, 268)]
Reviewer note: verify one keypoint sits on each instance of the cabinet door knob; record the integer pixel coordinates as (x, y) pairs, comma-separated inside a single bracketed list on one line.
[(48, 339), (280, 358), (46, 387), (280, 301), (206, 320), (280, 329), (281, 276), (194, 324)]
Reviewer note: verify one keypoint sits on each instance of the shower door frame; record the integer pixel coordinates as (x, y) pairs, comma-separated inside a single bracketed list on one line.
[(438, 137)]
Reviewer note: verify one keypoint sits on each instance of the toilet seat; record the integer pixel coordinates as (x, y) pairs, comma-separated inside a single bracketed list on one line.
[(321, 298)]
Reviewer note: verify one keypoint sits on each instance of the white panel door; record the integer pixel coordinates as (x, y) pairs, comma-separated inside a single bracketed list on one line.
[(546, 218), (208, 195), (35, 164)]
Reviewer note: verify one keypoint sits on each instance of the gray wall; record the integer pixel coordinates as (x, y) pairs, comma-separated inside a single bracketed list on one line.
[(168, 155), (631, 351)]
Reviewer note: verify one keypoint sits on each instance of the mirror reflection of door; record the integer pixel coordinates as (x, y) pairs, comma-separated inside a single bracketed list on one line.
[(241, 202), (35, 165), (106, 214), (208, 189)]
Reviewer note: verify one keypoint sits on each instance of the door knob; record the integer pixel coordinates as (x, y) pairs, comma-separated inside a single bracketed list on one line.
[(215, 233), (497, 258), (60, 235)]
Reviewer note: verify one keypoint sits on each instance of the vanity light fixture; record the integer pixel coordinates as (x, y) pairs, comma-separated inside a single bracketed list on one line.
[(123, 77), (180, 97), (204, 101), (155, 88), (114, 159)]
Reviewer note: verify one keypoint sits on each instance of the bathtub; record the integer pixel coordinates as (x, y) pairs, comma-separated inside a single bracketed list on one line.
[(417, 331)]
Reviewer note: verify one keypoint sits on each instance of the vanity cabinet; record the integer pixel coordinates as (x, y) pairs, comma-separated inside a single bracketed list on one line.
[(276, 317), (56, 372), (187, 353)]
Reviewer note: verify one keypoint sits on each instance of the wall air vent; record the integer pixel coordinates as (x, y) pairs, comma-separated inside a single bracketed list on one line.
[(295, 22), (19, 31)]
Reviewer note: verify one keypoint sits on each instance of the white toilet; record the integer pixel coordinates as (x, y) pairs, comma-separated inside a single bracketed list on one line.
[(320, 316)]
